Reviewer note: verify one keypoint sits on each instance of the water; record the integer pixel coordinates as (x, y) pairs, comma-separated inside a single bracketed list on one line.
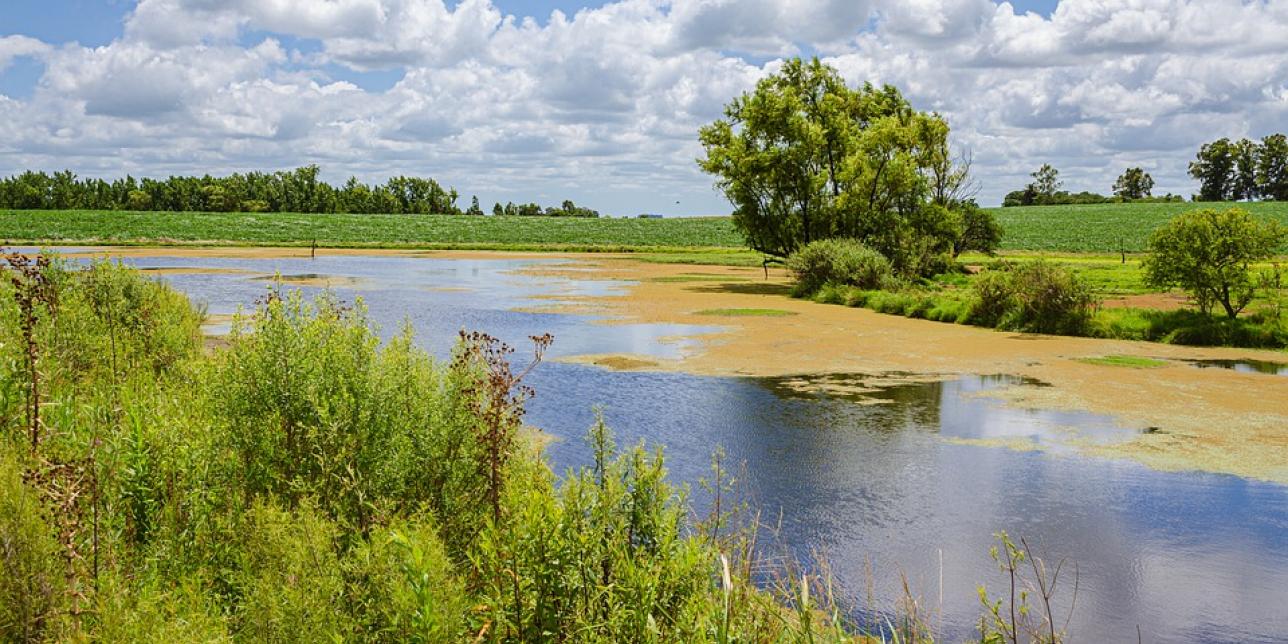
[(893, 479), (1245, 366)]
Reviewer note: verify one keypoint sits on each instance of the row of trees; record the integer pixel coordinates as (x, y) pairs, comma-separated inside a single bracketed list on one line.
[(566, 209), (1134, 184), (804, 157), (297, 190), (1242, 170)]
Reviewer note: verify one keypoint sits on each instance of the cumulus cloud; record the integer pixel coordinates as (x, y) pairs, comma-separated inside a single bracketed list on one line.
[(12, 47), (603, 105)]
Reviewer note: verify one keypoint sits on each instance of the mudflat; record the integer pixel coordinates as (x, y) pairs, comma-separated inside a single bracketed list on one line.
[(1214, 420)]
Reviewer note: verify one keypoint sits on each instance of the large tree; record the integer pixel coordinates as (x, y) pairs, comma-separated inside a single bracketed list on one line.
[(1272, 168), (1134, 183), (1046, 181), (1213, 167), (1243, 181), (805, 157)]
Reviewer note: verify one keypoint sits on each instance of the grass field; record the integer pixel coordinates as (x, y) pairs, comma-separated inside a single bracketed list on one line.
[(1103, 228)]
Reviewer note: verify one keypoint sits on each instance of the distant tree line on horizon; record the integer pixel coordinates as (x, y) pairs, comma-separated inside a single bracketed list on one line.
[(567, 209), (299, 190), (1133, 185)]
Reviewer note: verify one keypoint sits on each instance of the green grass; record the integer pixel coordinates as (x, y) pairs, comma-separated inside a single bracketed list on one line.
[(746, 312), (1132, 362), (1102, 228)]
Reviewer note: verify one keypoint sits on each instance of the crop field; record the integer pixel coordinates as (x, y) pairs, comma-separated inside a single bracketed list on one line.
[(420, 231), (1102, 228)]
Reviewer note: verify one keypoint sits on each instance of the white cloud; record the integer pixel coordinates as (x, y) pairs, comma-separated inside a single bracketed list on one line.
[(604, 105), (12, 47)]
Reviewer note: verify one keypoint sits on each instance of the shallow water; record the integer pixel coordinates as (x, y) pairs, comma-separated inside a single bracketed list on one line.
[(901, 478), (1245, 366)]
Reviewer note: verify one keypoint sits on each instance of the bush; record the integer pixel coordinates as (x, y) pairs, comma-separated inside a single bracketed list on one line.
[(844, 262), (31, 577), (994, 297), (1036, 296)]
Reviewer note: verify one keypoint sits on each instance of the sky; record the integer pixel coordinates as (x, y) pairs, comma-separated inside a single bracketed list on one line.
[(600, 102)]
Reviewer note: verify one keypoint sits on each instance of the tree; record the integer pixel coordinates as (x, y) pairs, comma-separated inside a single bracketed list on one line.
[(475, 209), (1214, 169), (1272, 168), (1046, 181), (1243, 182), (979, 231), (805, 157), (1209, 253), (1134, 183)]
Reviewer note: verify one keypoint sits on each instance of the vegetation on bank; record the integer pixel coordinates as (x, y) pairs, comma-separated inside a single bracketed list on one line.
[(1219, 258), (309, 483)]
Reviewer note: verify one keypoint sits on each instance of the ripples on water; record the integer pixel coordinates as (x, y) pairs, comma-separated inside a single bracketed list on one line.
[(880, 473)]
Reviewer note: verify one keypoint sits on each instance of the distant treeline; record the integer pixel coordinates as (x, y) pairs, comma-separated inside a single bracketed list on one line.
[(1133, 185), (567, 209), (1062, 198), (297, 190)]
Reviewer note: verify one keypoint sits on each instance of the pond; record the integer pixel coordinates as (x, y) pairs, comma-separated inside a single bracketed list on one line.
[(883, 477)]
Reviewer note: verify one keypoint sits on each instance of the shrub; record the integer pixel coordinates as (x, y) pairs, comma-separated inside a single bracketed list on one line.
[(31, 577), (289, 577), (1051, 299), (1035, 296), (1209, 253), (994, 297), (844, 262)]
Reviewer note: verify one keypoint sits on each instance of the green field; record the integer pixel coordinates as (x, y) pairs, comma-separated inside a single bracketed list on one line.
[(395, 231), (1101, 228)]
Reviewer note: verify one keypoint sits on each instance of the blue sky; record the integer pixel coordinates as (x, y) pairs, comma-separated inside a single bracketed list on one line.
[(604, 106)]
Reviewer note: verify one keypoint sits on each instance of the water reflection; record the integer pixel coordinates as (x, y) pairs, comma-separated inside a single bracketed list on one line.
[(1245, 366), (958, 407)]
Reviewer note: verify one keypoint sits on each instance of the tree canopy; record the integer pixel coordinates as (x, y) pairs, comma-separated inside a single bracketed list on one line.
[(1210, 253), (1134, 183), (805, 157), (1242, 170)]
